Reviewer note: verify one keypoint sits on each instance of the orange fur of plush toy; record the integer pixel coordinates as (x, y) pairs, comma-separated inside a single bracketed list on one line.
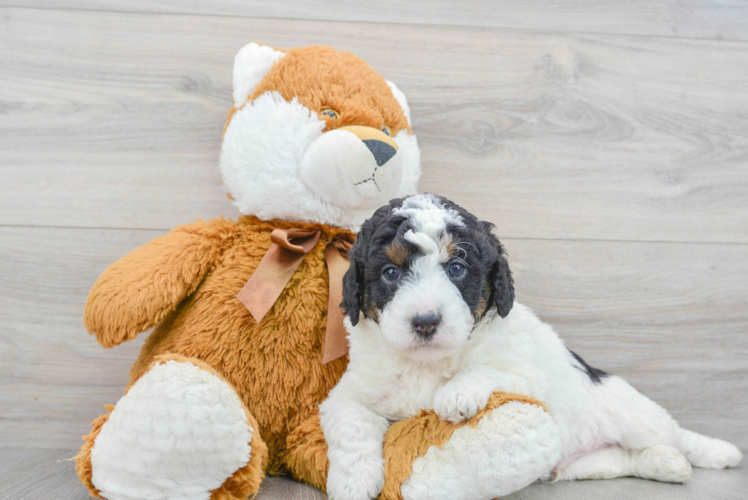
[(275, 366)]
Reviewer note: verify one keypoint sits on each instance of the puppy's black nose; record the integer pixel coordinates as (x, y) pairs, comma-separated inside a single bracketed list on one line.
[(381, 150), (424, 325)]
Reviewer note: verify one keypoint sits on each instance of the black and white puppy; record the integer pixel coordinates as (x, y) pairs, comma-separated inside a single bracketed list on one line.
[(433, 324)]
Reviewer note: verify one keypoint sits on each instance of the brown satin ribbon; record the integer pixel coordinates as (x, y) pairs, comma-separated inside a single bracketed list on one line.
[(336, 343), (277, 267)]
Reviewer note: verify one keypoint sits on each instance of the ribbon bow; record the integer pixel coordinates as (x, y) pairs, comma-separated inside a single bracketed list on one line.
[(277, 267)]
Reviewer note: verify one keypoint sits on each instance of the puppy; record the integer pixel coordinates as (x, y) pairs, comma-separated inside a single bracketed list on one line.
[(433, 324)]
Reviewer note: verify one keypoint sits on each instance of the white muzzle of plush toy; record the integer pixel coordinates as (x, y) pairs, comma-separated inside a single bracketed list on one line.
[(353, 167)]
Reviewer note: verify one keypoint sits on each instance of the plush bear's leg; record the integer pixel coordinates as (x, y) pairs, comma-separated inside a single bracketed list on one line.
[(306, 453), (505, 447), (179, 433)]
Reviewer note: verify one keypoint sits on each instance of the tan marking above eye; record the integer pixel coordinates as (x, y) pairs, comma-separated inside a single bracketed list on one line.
[(451, 247), (397, 253), (330, 113)]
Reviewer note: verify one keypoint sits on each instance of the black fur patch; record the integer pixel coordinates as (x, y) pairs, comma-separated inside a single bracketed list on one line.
[(594, 374), (381, 243)]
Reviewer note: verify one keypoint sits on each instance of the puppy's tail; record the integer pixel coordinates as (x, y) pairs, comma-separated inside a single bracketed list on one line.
[(708, 453)]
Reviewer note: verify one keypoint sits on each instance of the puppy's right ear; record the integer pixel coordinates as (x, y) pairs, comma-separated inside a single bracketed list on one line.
[(353, 287), (354, 281)]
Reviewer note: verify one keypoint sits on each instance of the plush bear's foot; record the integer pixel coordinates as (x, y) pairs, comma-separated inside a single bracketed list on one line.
[(508, 445), (180, 433)]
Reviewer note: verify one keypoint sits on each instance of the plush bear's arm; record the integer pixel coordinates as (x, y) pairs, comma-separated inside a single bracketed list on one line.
[(140, 289)]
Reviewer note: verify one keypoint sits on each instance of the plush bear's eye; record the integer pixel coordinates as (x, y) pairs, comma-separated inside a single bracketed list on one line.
[(330, 113), (386, 130)]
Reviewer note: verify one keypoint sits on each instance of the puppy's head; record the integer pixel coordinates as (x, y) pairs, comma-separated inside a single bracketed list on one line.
[(426, 271)]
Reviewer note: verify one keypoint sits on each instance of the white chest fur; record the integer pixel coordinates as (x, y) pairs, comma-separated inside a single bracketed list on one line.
[(411, 391), (394, 386)]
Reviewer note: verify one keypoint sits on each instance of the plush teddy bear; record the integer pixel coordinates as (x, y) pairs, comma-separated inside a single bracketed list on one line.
[(248, 335)]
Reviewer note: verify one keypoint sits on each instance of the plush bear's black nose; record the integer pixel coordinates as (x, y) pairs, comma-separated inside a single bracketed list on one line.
[(424, 325), (381, 150)]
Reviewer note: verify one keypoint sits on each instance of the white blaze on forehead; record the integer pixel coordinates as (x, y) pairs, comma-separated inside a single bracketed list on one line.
[(430, 222)]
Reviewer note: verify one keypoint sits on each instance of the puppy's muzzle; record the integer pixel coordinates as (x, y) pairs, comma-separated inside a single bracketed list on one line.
[(425, 325)]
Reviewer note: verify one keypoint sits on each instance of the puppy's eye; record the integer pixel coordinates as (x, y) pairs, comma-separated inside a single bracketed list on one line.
[(386, 130), (456, 269), (330, 113), (391, 274)]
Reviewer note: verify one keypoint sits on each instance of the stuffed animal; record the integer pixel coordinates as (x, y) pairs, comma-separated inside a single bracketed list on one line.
[(247, 330)]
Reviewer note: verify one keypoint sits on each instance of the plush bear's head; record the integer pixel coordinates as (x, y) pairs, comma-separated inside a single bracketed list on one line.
[(315, 135)]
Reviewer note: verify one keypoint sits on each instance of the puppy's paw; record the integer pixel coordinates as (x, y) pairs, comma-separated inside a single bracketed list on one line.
[(707, 452), (715, 454), (460, 400), (664, 463), (355, 478)]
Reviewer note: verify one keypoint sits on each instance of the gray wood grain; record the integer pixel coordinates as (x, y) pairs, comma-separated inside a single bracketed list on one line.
[(286, 488), (114, 120), (669, 317), (55, 378), (46, 474), (39, 475), (705, 485), (719, 19)]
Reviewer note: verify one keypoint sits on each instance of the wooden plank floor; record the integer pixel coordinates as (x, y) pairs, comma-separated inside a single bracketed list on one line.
[(47, 474), (561, 135), (711, 19), (608, 141)]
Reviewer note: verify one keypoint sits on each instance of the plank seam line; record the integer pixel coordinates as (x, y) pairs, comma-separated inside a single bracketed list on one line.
[(84, 228), (517, 30), (527, 238)]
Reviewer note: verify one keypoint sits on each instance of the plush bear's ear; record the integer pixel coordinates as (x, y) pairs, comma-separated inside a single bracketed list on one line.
[(251, 64), (502, 283), (400, 99)]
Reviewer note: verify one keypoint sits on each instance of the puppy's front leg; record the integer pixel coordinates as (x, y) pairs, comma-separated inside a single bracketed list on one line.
[(467, 392), (354, 436)]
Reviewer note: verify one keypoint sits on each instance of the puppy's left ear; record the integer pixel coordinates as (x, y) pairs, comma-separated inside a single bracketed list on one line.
[(353, 281), (501, 276)]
